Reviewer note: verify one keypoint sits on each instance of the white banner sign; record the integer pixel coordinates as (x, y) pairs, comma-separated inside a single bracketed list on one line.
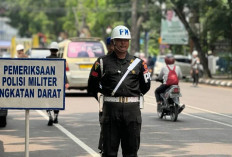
[(32, 83), (172, 30)]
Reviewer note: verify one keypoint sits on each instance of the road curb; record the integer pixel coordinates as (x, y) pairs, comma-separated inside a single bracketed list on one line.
[(214, 82)]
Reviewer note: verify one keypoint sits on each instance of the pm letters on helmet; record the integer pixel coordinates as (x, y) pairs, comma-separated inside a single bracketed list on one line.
[(125, 31)]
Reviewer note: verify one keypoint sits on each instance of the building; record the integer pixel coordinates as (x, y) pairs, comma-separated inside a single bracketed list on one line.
[(6, 34)]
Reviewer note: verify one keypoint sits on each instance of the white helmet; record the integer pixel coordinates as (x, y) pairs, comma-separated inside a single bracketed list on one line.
[(54, 45), (120, 32), (19, 47), (195, 52)]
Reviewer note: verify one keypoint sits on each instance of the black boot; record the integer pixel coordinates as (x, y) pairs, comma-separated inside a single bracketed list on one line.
[(56, 119), (181, 109), (50, 121)]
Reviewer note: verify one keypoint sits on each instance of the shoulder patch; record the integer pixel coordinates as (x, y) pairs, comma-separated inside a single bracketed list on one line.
[(145, 65), (96, 65), (95, 74)]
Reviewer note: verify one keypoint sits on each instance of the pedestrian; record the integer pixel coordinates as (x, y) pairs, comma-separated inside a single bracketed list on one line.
[(54, 48), (121, 119), (167, 79), (150, 64), (110, 49), (109, 45), (195, 65), (20, 51), (143, 57)]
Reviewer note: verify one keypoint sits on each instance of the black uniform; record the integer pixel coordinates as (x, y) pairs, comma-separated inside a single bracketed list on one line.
[(121, 120), (56, 112), (53, 56)]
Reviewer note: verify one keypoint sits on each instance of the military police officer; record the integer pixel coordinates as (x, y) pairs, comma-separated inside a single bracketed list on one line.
[(122, 79), (54, 48), (109, 45)]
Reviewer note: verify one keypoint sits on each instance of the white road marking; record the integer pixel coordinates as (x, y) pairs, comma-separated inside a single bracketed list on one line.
[(71, 136), (196, 108), (208, 119), (220, 114), (199, 117)]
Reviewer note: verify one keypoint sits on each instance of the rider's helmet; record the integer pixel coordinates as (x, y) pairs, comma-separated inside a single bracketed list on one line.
[(195, 53), (169, 59), (120, 32), (19, 47), (54, 46)]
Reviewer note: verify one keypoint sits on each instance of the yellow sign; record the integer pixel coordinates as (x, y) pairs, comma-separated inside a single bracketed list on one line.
[(86, 66)]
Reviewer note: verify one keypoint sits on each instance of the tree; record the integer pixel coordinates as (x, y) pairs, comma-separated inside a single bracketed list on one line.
[(207, 14), (31, 17), (178, 8)]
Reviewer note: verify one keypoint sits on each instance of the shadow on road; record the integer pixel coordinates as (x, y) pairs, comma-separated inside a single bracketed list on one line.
[(77, 95), (44, 140)]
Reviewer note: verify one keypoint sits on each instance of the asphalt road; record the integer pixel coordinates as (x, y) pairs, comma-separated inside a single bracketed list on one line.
[(203, 129)]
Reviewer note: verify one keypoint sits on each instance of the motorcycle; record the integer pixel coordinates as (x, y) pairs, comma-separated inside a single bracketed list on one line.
[(170, 105)]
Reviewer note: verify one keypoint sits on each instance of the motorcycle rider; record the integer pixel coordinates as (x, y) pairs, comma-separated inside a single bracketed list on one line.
[(169, 60)]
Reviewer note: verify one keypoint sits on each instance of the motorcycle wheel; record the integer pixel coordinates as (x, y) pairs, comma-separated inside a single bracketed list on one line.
[(2, 121), (174, 112)]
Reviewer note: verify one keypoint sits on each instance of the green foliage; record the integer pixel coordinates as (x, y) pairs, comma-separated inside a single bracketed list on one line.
[(51, 17), (33, 16), (97, 16)]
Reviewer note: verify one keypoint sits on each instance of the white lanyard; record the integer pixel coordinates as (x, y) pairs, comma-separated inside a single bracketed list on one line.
[(131, 67)]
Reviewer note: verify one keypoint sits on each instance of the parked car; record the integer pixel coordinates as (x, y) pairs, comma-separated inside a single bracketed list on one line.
[(182, 61), (80, 55), (6, 55), (38, 52)]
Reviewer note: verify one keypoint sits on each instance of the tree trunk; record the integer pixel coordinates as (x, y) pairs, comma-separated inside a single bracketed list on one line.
[(195, 40), (136, 24)]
